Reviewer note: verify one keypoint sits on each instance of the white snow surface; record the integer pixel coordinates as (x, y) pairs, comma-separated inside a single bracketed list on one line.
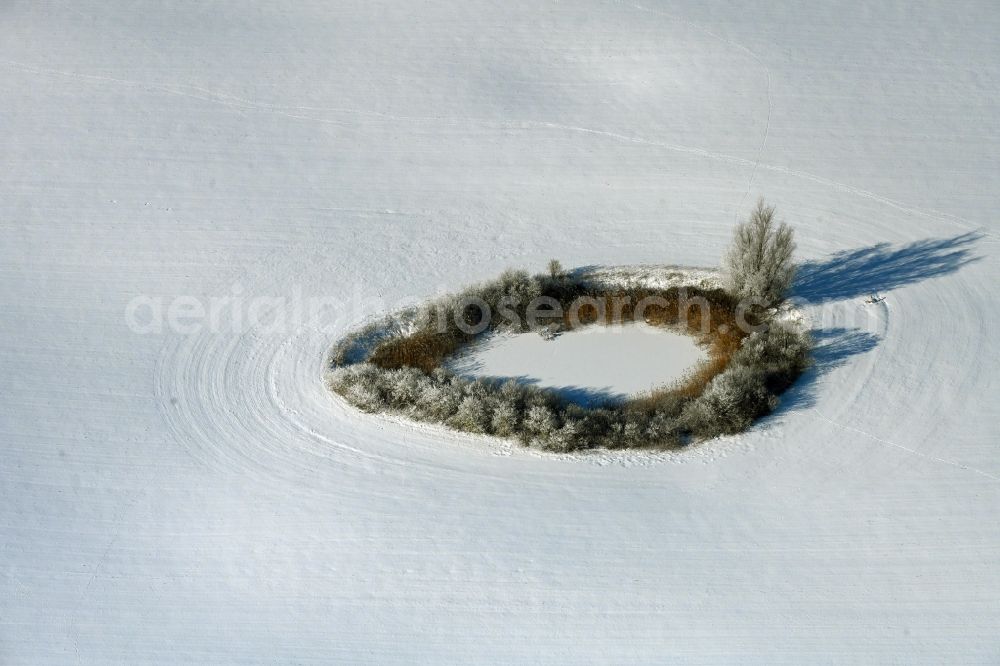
[(199, 496), (655, 276), (586, 366)]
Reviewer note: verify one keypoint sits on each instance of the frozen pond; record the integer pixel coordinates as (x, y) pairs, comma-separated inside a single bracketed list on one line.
[(597, 362)]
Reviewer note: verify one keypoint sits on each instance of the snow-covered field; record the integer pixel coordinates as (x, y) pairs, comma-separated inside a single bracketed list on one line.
[(194, 494), (590, 365)]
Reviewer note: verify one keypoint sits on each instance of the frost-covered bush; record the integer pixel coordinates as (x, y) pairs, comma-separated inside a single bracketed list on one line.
[(780, 353), (663, 429), (759, 264), (555, 268), (360, 385), (539, 424), (435, 402), (506, 419), (471, 415), (730, 403), (565, 439), (406, 385)]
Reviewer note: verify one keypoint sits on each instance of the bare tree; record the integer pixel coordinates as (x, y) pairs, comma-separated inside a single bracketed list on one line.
[(759, 264)]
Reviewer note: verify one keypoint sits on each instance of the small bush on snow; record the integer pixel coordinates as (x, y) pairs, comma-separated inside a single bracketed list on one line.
[(565, 439), (729, 404), (471, 416), (506, 419), (663, 430), (780, 353), (406, 384), (539, 424)]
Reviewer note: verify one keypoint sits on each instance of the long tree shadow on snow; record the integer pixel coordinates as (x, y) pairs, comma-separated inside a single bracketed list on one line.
[(833, 348), (881, 267), (856, 273)]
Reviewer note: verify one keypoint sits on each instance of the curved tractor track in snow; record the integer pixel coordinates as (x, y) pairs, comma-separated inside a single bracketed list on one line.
[(254, 400), (202, 497)]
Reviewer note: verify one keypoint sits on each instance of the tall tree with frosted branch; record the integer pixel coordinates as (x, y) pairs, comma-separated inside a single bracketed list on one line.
[(758, 265)]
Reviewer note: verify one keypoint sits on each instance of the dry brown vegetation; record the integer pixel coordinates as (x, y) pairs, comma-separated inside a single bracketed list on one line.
[(424, 350)]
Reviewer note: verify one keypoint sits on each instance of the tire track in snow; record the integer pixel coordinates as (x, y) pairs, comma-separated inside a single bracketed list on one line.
[(853, 391), (907, 449), (767, 90), (253, 402), (755, 165)]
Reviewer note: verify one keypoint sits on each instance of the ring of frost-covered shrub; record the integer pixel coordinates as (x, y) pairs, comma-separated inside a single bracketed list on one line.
[(396, 364)]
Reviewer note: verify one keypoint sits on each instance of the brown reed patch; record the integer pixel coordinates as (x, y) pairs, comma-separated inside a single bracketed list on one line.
[(425, 350)]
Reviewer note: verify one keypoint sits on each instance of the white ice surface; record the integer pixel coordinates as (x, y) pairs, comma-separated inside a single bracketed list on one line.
[(587, 365), (201, 497)]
